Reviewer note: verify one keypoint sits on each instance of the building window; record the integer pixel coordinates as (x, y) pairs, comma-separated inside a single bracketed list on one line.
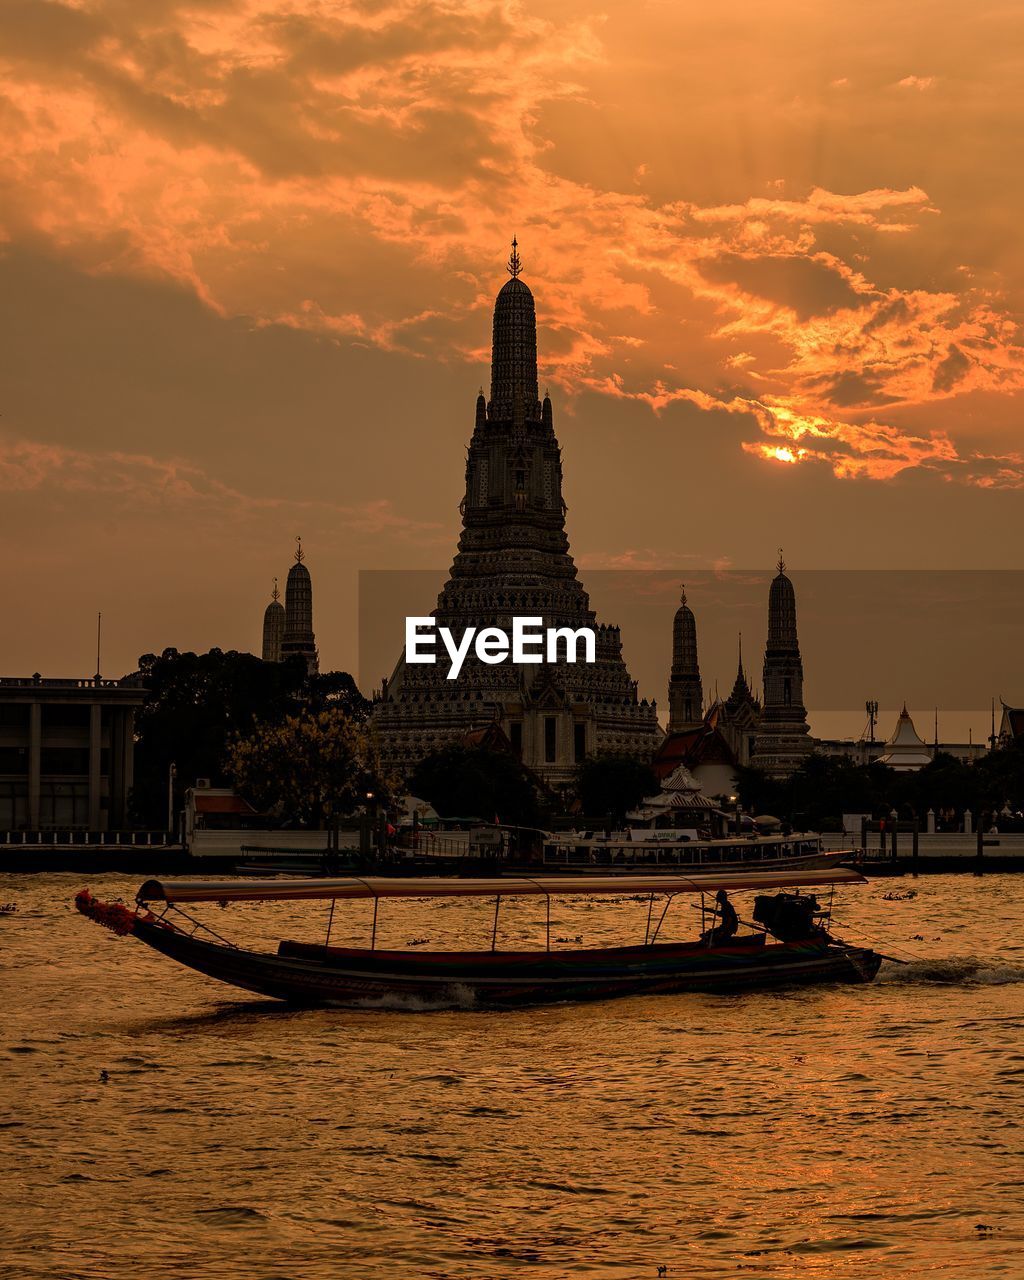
[(65, 760), (787, 691), (579, 742), (13, 760), (515, 736), (63, 804), (13, 806), (63, 716), (550, 740)]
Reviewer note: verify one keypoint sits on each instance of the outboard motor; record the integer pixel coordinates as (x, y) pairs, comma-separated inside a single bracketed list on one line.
[(790, 917)]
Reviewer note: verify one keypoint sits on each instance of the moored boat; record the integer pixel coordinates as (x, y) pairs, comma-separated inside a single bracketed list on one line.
[(665, 850), (790, 942)]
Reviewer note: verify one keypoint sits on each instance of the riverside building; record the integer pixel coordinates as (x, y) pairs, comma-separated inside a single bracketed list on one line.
[(66, 753)]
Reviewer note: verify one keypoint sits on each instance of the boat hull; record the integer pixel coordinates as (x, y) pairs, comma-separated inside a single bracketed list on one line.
[(312, 975)]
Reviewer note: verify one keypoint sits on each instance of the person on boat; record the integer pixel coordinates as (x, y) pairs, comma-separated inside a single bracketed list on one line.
[(728, 922)]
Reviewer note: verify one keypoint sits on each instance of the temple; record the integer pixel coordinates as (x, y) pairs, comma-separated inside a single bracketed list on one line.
[(906, 751), (273, 627), (685, 694), (738, 718), (294, 623), (513, 559), (783, 739)]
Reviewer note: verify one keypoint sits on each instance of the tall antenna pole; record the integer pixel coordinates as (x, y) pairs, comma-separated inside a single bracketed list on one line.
[(99, 637)]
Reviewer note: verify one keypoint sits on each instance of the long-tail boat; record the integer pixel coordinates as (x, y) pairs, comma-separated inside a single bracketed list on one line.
[(790, 944)]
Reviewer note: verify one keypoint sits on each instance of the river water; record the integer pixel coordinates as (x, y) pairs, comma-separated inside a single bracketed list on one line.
[(861, 1132)]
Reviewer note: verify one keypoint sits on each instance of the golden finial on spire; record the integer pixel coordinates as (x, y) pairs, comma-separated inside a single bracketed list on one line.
[(514, 263), (782, 563), (300, 555), (739, 647), (275, 594), (682, 593)]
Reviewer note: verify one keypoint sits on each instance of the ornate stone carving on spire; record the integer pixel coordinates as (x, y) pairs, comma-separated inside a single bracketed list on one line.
[(782, 612), (514, 349)]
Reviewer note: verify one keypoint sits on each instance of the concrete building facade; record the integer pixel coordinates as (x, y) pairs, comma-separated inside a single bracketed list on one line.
[(66, 753)]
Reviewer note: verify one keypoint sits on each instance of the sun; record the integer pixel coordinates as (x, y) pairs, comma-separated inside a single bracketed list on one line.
[(781, 453)]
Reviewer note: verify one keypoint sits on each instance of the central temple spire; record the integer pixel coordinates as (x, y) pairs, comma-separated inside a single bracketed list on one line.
[(513, 561), (514, 350)]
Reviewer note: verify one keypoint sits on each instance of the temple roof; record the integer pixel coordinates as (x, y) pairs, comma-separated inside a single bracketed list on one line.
[(741, 695), (907, 749), (1012, 723), (703, 745), (680, 779)]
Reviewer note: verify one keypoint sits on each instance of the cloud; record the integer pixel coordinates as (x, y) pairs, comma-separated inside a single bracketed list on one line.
[(352, 171), (176, 487), (874, 450)]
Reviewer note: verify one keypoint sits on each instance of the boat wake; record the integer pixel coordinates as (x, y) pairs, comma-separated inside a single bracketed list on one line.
[(967, 971), (456, 996)]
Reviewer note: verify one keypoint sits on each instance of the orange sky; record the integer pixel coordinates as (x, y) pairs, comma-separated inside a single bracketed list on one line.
[(248, 253)]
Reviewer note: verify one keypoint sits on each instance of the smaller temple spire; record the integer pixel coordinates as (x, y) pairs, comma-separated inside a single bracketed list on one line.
[(739, 665), (685, 690), (783, 737), (273, 627), (515, 264)]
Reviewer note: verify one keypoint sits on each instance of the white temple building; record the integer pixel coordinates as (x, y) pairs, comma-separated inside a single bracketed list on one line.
[(906, 750), (679, 804)]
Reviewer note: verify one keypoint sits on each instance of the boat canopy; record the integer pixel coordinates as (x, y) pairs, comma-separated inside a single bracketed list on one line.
[(172, 891)]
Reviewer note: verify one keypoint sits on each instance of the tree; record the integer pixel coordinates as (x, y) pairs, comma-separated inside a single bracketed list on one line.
[(609, 785), (463, 781), (195, 703), (310, 769), (758, 793), (1001, 778)]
